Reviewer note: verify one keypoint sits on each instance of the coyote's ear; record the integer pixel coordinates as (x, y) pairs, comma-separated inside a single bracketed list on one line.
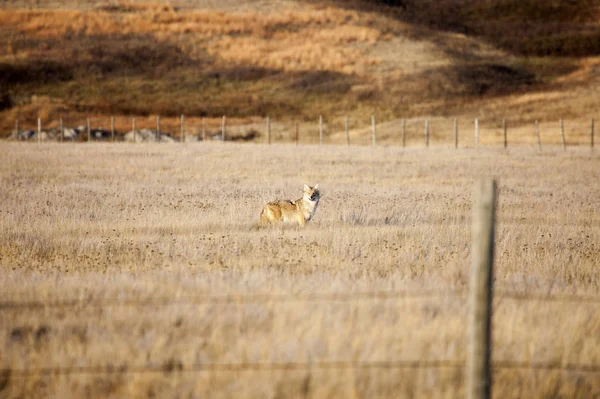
[(306, 188), (316, 187)]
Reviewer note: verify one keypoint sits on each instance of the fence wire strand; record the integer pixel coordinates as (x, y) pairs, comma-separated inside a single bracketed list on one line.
[(174, 367), (270, 298)]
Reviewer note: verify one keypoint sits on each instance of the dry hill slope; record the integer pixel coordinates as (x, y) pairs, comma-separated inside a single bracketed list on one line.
[(297, 60)]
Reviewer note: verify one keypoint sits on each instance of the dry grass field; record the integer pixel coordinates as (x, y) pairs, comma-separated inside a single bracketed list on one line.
[(139, 271)]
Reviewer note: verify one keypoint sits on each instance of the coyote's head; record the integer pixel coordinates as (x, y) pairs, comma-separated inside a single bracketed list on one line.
[(311, 193)]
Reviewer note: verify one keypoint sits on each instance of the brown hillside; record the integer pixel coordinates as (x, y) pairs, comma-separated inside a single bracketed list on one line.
[(298, 60)]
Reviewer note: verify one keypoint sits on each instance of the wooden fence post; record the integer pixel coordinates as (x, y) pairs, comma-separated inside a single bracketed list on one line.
[(182, 123), (476, 133), (18, 129), (347, 131), (562, 135), (268, 130), (505, 133), (39, 132), (223, 128), (455, 133), (537, 133), (479, 378), (320, 130), (427, 133), (89, 131), (61, 129), (133, 127), (373, 129), (112, 129), (158, 128), (592, 134), (297, 134), (203, 130), (403, 133)]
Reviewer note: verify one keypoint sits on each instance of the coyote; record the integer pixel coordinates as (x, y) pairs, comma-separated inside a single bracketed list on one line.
[(286, 211)]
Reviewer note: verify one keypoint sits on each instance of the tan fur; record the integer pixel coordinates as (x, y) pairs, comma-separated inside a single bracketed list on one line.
[(286, 211)]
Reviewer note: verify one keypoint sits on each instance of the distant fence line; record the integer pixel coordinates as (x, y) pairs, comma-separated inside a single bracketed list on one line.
[(87, 133)]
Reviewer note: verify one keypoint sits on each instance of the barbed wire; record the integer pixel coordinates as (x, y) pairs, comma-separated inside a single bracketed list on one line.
[(233, 299), (243, 299), (177, 367)]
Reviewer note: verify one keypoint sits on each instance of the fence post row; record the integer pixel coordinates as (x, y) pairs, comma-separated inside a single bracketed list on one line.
[(133, 127), (18, 128), (592, 134), (158, 128), (112, 129), (268, 130), (39, 132), (89, 130), (297, 134), (476, 133), (403, 133), (455, 133), (505, 133), (427, 133), (61, 129), (373, 129), (223, 128), (182, 128), (203, 129), (562, 135), (537, 133), (320, 130), (347, 131), (479, 378)]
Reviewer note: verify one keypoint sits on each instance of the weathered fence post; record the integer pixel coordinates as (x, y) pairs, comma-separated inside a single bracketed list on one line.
[(505, 133), (158, 128), (537, 133), (112, 129), (592, 134), (297, 134), (373, 129), (61, 129), (268, 130), (223, 128), (39, 132), (133, 127), (455, 133), (476, 133), (320, 130), (427, 133), (347, 131), (182, 123), (18, 129), (89, 130), (562, 135), (203, 129), (403, 133), (479, 378)]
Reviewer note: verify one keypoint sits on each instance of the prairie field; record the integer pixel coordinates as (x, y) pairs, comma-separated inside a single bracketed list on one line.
[(139, 270)]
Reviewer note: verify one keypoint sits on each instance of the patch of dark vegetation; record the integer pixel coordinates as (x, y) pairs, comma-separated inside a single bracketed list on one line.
[(6, 101), (237, 73), (493, 79), (98, 56), (529, 28), (249, 135), (319, 82), (33, 72), (476, 80)]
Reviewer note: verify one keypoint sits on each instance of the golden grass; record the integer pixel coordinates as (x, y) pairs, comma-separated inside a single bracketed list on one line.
[(122, 225)]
